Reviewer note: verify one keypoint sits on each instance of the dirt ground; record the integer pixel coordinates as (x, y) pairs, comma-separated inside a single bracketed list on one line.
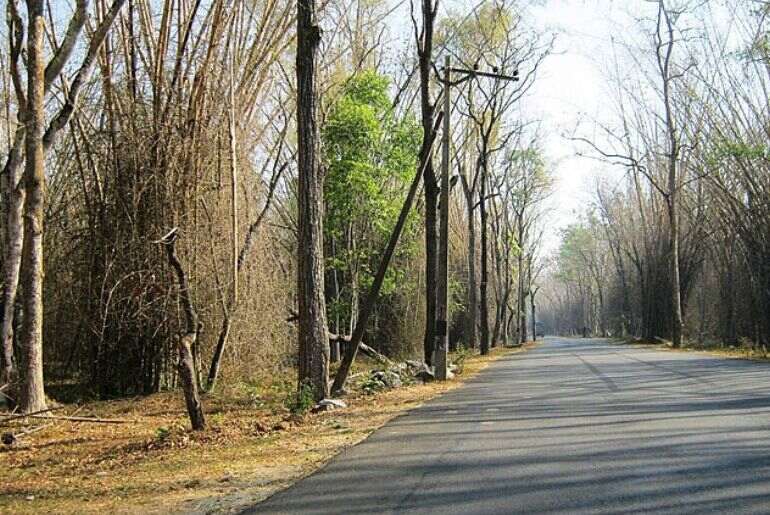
[(153, 464)]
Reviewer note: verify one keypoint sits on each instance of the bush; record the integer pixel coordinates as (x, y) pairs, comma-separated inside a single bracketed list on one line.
[(459, 358), (300, 402)]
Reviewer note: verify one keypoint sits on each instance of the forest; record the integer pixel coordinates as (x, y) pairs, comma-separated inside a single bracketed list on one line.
[(198, 193), (675, 245), (225, 217)]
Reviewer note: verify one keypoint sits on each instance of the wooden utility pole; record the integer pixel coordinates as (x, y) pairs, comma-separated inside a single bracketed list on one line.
[(442, 330)]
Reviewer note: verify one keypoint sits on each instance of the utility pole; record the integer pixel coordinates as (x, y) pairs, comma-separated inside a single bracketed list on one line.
[(442, 302)]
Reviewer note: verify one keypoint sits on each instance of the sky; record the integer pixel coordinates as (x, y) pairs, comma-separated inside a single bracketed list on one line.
[(575, 87), (573, 90)]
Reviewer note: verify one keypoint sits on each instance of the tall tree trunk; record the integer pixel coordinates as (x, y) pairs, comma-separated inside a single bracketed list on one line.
[(500, 291), (484, 300), (232, 302), (471, 313), (626, 300), (600, 295), (14, 242), (471, 324), (676, 294), (425, 53), (520, 329), (673, 234), (313, 337), (431, 262), (523, 335), (509, 291), (188, 339), (664, 64), (729, 333), (500, 331), (32, 396), (534, 315), (219, 350)]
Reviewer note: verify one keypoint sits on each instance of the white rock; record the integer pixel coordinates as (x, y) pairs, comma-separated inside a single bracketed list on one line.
[(329, 405)]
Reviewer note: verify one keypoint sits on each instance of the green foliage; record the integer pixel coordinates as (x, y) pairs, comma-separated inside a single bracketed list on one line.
[(723, 153), (577, 242), (459, 358), (472, 37), (372, 385), (300, 402), (536, 177), (370, 158), (740, 150), (162, 434)]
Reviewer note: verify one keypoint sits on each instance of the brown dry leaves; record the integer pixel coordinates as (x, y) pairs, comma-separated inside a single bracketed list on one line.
[(157, 465)]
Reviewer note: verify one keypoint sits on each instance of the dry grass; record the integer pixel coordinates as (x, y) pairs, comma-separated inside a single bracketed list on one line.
[(745, 350), (251, 449), (734, 352)]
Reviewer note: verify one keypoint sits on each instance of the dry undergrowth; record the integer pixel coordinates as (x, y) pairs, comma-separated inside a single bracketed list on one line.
[(744, 350), (251, 449), (734, 352)]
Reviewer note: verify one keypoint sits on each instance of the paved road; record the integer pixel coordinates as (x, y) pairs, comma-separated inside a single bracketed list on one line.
[(574, 426)]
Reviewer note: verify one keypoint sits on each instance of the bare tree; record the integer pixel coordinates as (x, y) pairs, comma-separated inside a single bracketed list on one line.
[(33, 391), (38, 137), (496, 38), (187, 340), (664, 48)]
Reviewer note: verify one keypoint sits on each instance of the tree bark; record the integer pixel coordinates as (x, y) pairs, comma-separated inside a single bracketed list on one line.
[(664, 63), (520, 329), (484, 300), (425, 52), (676, 294), (534, 314), (625, 297), (500, 290), (32, 396), (471, 319), (524, 330), (219, 351), (235, 264), (14, 241), (30, 198), (13, 191), (473, 301), (313, 341), (186, 365)]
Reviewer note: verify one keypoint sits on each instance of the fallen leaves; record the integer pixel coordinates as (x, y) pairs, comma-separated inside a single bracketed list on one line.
[(158, 465)]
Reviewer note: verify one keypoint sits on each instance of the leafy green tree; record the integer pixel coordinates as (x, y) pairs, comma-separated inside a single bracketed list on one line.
[(370, 157)]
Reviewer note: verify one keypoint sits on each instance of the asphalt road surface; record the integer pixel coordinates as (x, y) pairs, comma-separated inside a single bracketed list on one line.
[(574, 426)]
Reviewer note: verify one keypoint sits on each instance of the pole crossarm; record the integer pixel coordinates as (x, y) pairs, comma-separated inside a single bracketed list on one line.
[(469, 74)]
